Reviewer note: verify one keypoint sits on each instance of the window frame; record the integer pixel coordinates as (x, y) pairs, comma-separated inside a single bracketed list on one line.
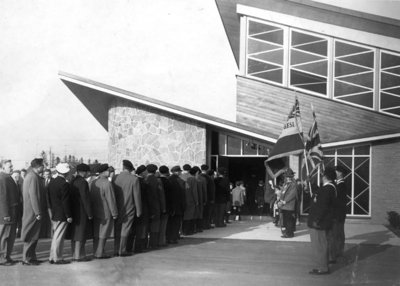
[(381, 51)]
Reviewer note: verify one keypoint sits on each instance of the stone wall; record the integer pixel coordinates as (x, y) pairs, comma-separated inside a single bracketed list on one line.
[(144, 135)]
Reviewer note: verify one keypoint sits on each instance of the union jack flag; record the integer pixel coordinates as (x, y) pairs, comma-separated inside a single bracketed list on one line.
[(314, 154)]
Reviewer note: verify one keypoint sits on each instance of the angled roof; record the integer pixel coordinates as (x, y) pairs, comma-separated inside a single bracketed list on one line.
[(305, 9)]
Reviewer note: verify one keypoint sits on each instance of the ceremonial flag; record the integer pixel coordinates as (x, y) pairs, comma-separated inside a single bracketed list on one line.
[(290, 142), (314, 154)]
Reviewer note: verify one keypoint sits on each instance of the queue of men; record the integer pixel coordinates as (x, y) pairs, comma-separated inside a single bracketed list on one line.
[(142, 209)]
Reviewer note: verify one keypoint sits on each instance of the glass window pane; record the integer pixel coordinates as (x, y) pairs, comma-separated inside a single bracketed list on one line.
[(263, 150), (221, 144), (345, 151), (308, 81), (249, 148), (328, 152), (234, 145), (389, 60), (362, 150), (364, 99)]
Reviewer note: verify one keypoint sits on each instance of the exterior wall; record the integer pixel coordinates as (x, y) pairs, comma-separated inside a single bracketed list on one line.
[(385, 180), (144, 135)]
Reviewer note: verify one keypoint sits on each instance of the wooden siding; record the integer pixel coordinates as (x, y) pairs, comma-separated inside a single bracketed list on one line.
[(385, 180), (266, 107)]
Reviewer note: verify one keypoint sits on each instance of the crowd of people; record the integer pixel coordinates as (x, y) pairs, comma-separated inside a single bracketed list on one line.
[(143, 209), (148, 207)]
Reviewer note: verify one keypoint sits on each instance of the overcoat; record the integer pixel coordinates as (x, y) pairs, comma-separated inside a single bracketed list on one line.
[(81, 210), (340, 201), (321, 209), (60, 199), (289, 195), (210, 188), (104, 207), (192, 198), (34, 204), (202, 195), (177, 195), (127, 195), (222, 190), (156, 198), (9, 199)]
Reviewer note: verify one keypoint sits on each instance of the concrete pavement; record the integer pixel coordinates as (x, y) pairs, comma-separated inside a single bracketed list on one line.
[(244, 253)]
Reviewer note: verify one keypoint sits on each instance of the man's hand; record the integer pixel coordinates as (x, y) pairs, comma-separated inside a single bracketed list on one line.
[(38, 217), (69, 219), (115, 217), (90, 218)]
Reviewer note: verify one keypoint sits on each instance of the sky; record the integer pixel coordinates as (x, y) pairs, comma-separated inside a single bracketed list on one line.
[(174, 50)]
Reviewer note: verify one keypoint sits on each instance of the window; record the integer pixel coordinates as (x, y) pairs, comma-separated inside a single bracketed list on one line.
[(354, 74), (357, 161), (265, 52), (390, 83), (309, 62)]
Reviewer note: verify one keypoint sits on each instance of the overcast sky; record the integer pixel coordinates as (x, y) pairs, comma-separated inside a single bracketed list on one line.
[(173, 50)]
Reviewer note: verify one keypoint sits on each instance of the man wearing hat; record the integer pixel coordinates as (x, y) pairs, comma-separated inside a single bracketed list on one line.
[(104, 210), (210, 187), (192, 203), (81, 213), (34, 206), (60, 205), (320, 221), (164, 174), (185, 172), (336, 235), (176, 204), (128, 198), (157, 204), (287, 203)]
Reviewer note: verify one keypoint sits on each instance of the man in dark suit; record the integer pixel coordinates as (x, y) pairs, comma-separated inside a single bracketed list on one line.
[(157, 204), (81, 213), (176, 203), (164, 174), (128, 199), (60, 204), (320, 220), (104, 209), (210, 197), (9, 201), (34, 206)]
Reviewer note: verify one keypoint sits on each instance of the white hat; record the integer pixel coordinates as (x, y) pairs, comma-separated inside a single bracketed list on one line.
[(62, 168)]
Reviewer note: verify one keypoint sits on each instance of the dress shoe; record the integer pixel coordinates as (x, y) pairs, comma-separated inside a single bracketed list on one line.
[(287, 236), (51, 261), (7, 263), (84, 259), (59, 262), (318, 272), (29, 263)]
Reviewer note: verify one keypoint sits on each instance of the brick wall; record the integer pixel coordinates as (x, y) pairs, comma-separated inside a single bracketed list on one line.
[(385, 181)]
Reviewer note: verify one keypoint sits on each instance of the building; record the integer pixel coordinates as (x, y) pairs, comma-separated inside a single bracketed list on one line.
[(343, 62)]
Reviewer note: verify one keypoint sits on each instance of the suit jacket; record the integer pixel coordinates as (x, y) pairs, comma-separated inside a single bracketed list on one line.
[(34, 204), (102, 197), (9, 198), (60, 199), (340, 201), (289, 195), (127, 195), (155, 196), (177, 195), (321, 209)]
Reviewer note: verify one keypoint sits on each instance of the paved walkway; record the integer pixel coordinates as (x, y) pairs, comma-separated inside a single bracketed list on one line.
[(243, 253)]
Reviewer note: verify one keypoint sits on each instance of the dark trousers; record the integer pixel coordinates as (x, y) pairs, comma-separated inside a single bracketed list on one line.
[(319, 248), (207, 216), (29, 251), (335, 237), (289, 222), (173, 225), (7, 239), (188, 227), (220, 209)]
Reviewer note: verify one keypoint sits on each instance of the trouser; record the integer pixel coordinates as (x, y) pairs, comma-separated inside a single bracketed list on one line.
[(212, 213), (29, 251), (220, 209), (206, 216), (162, 241), (188, 227), (7, 239), (289, 222), (319, 248), (335, 237), (78, 249), (57, 242), (173, 225), (98, 246), (122, 230)]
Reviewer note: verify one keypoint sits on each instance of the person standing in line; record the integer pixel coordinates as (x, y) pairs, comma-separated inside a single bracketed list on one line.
[(320, 221), (166, 186), (185, 173), (287, 203), (137, 239), (176, 203), (192, 203), (9, 201), (157, 207), (34, 207), (60, 204), (47, 229), (128, 198), (211, 174), (222, 195), (16, 175), (210, 187), (336, 236), (81, 213), (104, 210), (202, 198)]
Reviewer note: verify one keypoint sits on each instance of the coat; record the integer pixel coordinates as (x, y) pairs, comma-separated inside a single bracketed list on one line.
[(192, 198), (289, 195), (177, 195), (222, 190), (9, 199), (155, 196), (102, 197), (34, 204), (202, 194), (81, 209), (210, 188), (238, 196), (60, 199), (127, 196), (321, 208), (340, 201)]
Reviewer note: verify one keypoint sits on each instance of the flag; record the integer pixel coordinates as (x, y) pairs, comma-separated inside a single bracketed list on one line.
[(290, 142), (314, 154)]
